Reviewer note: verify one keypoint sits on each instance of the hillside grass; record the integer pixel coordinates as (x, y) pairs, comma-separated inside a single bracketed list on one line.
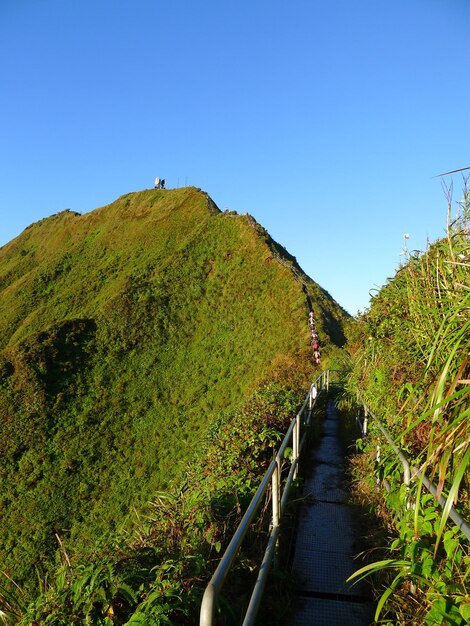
[(410, 362), (124, 333)]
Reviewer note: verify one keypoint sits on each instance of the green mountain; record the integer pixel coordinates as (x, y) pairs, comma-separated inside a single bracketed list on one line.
[(124, 333)]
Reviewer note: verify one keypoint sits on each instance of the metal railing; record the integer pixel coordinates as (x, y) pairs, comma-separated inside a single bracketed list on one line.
[(295, 437), (388, 437), (410, 473)]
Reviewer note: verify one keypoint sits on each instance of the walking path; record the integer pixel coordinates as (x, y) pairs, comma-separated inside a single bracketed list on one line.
[(326, 540)]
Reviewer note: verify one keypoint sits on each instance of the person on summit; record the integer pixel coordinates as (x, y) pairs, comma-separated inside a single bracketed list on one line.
[(157, 183)]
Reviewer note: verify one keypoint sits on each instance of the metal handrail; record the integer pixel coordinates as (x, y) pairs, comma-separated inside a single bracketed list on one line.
[(388, 437), (410, 472), (454, 516), (279, 502)]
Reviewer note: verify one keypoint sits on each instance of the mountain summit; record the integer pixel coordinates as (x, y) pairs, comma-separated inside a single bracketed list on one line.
[(123, 334)]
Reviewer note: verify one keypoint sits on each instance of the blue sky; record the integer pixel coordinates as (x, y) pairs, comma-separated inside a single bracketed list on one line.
[(327, 121)]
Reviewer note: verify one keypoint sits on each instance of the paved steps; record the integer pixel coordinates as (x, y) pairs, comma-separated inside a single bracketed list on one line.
[(326, 542)]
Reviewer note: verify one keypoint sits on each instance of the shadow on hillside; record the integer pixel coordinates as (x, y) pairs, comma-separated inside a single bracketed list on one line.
[(334, 328)]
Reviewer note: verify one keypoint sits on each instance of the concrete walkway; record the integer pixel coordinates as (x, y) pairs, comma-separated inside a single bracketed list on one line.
[(326, 540)]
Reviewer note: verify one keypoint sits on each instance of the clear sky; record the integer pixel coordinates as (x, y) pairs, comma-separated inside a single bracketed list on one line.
[(326, 120)]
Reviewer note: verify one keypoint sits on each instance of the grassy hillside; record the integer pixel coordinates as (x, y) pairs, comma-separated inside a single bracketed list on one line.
[(410, 356), (124, 333)]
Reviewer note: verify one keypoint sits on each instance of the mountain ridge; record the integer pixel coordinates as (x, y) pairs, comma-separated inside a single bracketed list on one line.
[(124, 333)]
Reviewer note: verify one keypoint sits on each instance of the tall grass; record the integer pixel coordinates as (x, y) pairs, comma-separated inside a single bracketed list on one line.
[(411, 354)]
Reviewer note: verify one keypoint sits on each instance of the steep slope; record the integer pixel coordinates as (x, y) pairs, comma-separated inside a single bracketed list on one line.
[(124, 332), (410, 362)]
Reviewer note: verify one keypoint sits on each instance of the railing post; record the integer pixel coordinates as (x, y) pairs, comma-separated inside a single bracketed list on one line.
[(311, 401), (377, 460), (295, 444), (276, 489), (366, 421), (277, 509)]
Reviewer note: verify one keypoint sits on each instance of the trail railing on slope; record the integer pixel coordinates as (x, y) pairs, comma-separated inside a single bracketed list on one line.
[(411, 473), (295, 437)]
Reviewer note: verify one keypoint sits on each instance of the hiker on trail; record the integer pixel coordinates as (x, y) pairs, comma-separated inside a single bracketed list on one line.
[(315, 339)]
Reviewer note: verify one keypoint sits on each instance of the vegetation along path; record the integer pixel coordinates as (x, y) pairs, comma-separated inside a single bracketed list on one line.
[(327, 539)]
